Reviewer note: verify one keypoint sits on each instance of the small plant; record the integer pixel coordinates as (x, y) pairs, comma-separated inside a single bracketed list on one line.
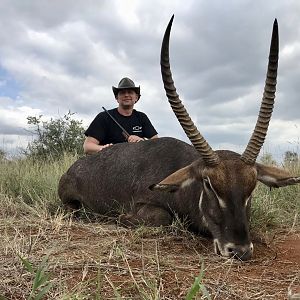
[(267, 159), (56, 137), (2, 157), (198, 286), (41, 284)]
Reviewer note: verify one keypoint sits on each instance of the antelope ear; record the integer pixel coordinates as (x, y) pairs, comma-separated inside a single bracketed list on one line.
[(275, 177), (177, 180)]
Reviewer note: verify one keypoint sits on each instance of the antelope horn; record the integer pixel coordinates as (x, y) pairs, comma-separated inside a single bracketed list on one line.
[(209, 156), (258, 136)]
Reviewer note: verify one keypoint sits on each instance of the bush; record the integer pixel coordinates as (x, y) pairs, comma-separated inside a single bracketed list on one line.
[(55, 137), (267, 159), (2, 154)]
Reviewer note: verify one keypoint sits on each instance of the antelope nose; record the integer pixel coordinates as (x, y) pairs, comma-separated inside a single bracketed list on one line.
[(242, 252)]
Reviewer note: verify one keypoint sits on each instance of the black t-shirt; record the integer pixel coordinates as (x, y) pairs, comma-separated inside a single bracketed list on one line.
[(105, 130)]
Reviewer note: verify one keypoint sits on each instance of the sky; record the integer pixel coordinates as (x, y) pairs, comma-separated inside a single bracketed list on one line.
[(64, 55)]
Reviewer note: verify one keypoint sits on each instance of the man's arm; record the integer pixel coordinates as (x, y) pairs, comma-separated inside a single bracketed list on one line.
[(92, 145), (154, 137)]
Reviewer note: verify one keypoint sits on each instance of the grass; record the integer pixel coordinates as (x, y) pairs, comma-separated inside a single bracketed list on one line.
[(33, 182), (41, 284), (277, 207), (198, 286), (96, 260)]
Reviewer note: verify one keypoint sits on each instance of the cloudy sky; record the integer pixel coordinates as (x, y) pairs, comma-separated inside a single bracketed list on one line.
[(63, 55)]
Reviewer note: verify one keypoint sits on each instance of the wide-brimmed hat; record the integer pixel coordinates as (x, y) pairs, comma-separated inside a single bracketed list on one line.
[(126, 84)]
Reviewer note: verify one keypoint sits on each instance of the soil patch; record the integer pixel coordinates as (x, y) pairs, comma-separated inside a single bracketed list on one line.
[(147, 263)]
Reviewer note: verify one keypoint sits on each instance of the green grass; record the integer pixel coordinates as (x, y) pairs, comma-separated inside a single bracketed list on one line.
[(276, 208), (198, 286), (33, 182), (41, 284)]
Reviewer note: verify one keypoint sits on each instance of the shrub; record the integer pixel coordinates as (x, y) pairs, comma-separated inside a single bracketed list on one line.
[(55, 137), (2, 154)]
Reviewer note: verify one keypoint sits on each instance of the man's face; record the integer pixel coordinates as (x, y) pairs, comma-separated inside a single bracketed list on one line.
[(127, 98)]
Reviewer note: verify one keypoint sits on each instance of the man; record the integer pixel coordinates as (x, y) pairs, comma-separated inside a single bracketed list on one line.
[(104, 132)]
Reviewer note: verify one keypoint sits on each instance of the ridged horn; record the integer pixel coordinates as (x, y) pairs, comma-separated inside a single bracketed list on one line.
[(258, 136), (209, 156)]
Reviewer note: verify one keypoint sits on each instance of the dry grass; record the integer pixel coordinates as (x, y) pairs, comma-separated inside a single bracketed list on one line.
[(104, 261), (100, 260)]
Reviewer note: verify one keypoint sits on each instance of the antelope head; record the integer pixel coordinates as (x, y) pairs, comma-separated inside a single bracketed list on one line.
[(227, 179)]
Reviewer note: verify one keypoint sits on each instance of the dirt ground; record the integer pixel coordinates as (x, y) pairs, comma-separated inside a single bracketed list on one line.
[(109, 262)]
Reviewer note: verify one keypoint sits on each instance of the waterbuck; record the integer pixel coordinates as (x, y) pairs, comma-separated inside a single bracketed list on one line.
[(211, 189)]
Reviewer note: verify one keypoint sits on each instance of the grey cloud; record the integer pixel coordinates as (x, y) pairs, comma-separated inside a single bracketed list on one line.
[(67, 55), (11, 129)]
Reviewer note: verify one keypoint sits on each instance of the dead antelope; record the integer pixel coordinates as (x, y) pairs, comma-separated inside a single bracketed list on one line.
[(211, 189)]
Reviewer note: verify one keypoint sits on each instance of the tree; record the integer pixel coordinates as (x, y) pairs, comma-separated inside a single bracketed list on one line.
[(2, 154), (290, 157), (55, 137), (267, 159)]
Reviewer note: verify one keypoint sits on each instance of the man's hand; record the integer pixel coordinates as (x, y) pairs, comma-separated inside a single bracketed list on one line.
[(134, 139), (92, 145), (101, 147)]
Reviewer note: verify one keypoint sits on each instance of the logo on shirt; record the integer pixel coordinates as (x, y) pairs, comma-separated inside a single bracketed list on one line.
[(137, 129)]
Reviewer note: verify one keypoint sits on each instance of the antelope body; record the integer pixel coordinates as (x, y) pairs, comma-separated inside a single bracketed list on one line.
[(211, 189)]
